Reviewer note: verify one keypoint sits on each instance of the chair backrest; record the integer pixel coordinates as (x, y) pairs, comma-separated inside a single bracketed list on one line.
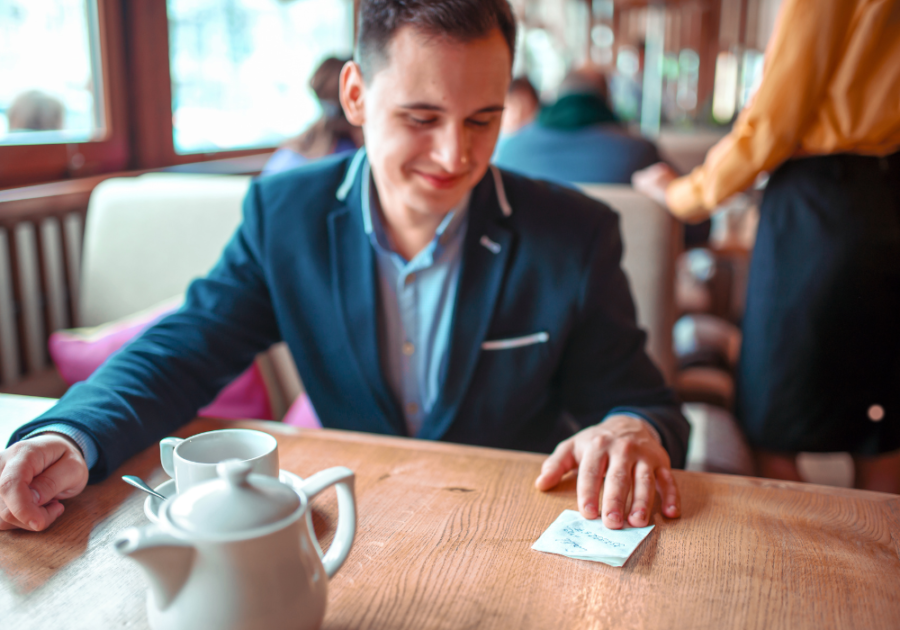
[(652, 240), (687, 150), (147, 237)]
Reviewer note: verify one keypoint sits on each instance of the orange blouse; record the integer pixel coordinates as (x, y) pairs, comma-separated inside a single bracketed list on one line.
[(831, 84)]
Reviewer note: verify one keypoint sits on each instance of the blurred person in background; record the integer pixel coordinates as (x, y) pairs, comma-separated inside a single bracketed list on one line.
[(820, 359), (521, 106), (329, 135), (577, 138), (35, 111)]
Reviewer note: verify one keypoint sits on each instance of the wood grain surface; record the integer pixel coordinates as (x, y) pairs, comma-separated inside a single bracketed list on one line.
[(444, 541)]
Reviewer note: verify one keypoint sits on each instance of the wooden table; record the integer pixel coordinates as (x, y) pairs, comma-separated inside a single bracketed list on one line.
[(444, 542)]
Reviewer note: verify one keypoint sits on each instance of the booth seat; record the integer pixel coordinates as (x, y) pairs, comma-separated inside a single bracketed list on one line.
[(686, 149)]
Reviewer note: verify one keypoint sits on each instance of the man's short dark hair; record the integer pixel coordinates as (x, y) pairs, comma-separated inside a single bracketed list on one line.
[(460, 20)]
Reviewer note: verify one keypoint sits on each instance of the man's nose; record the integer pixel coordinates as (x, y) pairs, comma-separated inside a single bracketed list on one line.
[(452, 149)]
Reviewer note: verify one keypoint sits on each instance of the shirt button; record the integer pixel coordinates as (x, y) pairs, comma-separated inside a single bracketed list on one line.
[(412, 408), (410, 279), (408, 348)]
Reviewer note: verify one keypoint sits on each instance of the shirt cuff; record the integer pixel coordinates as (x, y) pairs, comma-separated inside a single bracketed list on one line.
[(83, 440)]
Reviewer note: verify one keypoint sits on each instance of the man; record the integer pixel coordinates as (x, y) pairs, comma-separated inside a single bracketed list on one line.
[(820, 356), (421, 293), (577, 139)]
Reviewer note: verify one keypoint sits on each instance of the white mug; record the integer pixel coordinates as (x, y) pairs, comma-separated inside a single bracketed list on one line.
[(193, 461)]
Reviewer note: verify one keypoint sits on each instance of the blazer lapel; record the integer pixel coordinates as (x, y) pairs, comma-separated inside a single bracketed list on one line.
[(354, 292), (487, 248)]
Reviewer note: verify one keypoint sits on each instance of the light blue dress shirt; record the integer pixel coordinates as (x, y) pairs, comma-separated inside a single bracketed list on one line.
[(415, 300)]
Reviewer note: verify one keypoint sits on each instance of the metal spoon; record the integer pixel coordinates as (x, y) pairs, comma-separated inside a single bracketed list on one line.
[(139, 483)]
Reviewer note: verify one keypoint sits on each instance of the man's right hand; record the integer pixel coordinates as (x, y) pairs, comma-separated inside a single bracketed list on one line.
[(34, 475)]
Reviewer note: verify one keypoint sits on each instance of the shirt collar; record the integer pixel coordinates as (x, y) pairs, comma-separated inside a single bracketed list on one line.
[(449, 226), (360, 161)]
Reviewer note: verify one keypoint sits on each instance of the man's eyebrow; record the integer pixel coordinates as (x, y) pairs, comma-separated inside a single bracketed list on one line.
[(437, 108)]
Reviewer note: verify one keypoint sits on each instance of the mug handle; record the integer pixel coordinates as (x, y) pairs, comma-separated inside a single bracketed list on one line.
[(344, 480), (167, 454)]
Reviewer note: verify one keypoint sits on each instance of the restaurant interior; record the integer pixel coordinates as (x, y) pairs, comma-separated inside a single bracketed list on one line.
[(130, 134)]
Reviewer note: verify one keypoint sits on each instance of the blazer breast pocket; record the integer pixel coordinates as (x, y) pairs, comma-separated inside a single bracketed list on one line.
[(516, 342)]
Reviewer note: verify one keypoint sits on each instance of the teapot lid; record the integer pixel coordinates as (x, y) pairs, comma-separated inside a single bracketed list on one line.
[(235, 502)]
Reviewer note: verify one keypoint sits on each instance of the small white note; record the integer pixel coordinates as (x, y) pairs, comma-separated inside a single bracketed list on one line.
[(574, 536)]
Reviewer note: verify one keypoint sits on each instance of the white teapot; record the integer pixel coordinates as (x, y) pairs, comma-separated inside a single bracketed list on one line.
[(238, 552)]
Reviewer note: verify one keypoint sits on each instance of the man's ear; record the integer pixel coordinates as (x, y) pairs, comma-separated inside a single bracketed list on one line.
[(352, 92)]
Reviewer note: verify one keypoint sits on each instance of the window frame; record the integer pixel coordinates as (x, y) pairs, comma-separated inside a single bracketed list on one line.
[(28, 164), (153, 138)]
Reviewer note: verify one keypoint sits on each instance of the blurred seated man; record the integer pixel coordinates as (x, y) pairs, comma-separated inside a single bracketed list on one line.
[(35, 111), (421, 291), (521, 106), (577, 139), (331, 134)]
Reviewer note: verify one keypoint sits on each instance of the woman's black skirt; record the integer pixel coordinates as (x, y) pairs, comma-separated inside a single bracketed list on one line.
[(820, 360)]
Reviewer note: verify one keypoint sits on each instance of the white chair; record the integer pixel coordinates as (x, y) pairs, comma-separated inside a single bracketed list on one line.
[(147, 237), (687, 150), (652, 241)]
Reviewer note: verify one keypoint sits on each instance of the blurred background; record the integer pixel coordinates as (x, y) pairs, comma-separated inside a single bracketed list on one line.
[(182, 81)]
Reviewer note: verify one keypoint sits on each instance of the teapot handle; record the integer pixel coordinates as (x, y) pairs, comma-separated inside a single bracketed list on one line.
[(343, 479)]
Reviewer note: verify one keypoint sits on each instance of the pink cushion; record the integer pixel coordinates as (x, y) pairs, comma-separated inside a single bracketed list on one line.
[(301, 414), (79, 351)]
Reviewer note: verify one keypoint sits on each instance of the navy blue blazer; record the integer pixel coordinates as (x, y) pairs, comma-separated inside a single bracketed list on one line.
[(301, 269)]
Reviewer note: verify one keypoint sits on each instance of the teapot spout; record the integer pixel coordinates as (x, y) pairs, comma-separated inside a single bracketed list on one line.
[(166, 560)]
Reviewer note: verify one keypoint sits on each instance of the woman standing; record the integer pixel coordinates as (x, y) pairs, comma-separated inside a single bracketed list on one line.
[(820, 361)]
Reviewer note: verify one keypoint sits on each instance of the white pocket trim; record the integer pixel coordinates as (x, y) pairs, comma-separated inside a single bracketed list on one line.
[(516, 342)]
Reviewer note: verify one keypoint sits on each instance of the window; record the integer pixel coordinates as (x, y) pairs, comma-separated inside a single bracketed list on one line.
[(59, 117), (52, 88), (239, 68)]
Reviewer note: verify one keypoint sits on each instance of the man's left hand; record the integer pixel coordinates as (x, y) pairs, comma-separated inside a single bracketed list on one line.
[(624, 455)]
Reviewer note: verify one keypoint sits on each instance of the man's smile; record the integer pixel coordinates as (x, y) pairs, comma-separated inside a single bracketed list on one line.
[(441, 181)]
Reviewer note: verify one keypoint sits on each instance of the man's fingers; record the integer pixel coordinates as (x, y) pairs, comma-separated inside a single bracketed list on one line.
[(668, 490), (644, 493), (54, 511), (615, 493), (590, 478), (561, 461), (62, 480), (20, 501), (33, 476), (48, 513)]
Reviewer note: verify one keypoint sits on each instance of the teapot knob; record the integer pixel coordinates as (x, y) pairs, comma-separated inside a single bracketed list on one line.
[(234, 471)]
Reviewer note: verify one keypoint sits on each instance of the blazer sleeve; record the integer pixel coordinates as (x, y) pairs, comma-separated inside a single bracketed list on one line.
[(605, 369), (157, 382)]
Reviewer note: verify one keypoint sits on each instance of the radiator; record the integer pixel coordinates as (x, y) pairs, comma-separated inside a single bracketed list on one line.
[(39, 271)]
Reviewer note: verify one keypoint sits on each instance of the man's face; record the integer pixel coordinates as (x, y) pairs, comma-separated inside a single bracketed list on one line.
[(431, 117)]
